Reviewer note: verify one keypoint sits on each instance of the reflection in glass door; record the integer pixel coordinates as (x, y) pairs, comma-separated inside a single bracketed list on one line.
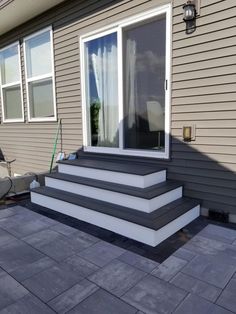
[(144, 54), (102, 91)]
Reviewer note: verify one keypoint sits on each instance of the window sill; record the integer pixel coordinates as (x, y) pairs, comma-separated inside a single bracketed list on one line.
[(54, 119), (13, 120), (128, 152)]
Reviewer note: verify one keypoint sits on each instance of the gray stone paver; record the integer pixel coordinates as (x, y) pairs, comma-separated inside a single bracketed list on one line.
[(21, 225), (154, 296), (101, 302), (5, 237), (229, 253), (211, 270), (28, 270), (64, 229), (184, 254), (17, 254), (219, 233), (10, 211), (27, 305), (70, 298), (193, 285), (80, 266), (204, 246), (228, 296), (48, 267), (41, 238), (10, 290), (25, 212), (6, 213), (138, 261), (51, 282), (117, 277), (101, 253), (59, 246), (196, 305), (169, 268)]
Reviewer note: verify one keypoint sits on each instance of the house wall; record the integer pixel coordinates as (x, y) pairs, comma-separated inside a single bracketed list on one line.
[(203, 93)]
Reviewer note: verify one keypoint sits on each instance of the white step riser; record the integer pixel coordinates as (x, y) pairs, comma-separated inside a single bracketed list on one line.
[(123, 227), (126, 200), (114, 177)]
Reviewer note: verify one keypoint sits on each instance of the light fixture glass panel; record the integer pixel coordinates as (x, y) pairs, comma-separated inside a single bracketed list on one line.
[(189, 12)]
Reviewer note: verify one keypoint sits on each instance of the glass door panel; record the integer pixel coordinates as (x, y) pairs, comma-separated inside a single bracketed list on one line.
[(144, 61), (101, 89)]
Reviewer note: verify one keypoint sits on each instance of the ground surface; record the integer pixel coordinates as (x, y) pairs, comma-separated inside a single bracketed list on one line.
[(47, 266)]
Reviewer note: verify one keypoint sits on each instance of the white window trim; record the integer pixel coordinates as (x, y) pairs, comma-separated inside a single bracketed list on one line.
[(17, 83), (40, 77), (117, 27)]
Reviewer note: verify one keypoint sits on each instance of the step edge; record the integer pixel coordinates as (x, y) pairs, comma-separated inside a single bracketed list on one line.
[(146, 218), (72, 163), (141, 234), (140, 192)]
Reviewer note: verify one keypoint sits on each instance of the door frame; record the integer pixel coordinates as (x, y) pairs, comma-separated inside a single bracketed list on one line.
[(117, 27)]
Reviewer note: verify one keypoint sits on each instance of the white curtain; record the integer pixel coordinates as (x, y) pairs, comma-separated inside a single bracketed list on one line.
[(88, 96), (104, 64), (131, 87)]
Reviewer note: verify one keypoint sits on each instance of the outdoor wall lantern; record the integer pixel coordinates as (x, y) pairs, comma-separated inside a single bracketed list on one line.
[(190, 16), (189, 133)]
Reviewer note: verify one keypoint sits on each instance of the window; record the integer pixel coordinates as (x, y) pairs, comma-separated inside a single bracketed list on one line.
[(40, 76), (125, 95), (11, 87)]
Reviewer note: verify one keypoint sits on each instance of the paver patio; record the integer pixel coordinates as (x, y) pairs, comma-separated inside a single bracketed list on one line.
[(50, 267)]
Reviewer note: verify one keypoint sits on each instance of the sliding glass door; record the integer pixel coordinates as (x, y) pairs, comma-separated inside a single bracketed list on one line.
[(144, 84), (125, 71), (102, 91)]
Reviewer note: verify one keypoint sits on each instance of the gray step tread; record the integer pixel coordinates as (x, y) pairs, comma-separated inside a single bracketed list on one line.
[(116, 166), (155, 220), (149, 161), (146, 193)]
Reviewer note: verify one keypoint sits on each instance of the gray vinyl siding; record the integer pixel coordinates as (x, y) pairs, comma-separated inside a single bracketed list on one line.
[(203, 93)]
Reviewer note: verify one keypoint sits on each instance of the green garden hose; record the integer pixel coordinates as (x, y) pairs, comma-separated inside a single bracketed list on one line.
[(55, 144)]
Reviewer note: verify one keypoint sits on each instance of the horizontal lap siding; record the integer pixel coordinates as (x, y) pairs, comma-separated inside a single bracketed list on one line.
[(32, 143), (204, 95)]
